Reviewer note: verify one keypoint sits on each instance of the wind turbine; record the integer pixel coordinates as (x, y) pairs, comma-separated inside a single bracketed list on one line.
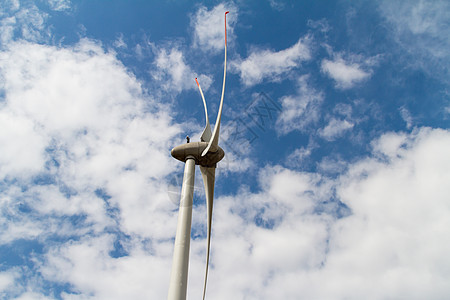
[(206, 154)]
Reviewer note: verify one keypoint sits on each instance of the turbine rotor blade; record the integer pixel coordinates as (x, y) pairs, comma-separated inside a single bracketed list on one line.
[(214, 142), (206, 135), (208, 175)]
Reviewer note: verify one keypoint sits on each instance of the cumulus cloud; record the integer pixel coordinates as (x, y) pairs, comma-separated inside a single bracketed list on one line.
[(209, 27), (83, 164), (6, 280), (89, 267), (7, 26), (379, 230), (263, 64), (298, 111), (20, 137), (85, 154), (400, 218), (383, 221), (345, 74)]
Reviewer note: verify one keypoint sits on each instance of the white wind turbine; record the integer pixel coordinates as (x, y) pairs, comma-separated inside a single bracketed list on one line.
[(206, 154)]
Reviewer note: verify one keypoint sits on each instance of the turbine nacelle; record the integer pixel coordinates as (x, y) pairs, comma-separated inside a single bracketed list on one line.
[(195, 149)]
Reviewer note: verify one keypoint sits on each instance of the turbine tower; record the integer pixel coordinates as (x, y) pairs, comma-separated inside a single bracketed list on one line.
[(206, 154)]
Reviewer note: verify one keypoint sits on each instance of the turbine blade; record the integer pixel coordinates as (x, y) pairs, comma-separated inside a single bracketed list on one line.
[(208, 175), (214, 142), (206, 135)]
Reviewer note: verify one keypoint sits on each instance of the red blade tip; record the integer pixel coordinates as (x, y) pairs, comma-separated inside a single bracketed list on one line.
[(227, 12)]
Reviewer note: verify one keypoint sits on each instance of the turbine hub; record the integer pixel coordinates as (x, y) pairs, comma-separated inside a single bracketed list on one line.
[(195, 150)]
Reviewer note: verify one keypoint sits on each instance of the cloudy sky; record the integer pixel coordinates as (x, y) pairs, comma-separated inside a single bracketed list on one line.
[(336, 179)]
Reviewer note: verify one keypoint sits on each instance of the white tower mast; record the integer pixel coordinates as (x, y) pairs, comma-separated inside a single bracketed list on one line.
[(180, 262)]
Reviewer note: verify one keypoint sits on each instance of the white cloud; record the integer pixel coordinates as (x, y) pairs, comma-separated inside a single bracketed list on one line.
[(30, 23), (270, 233), (174, 74), (6, 280), (263, 64), (335, 128), (119, 42), (85, 152), (84, 141), (406, 116), (177, 73), (332, 166), (321, 25), (346, 74), (282, 241), (343, 109), (24, 20), (422, 30), (424, 19), (88, 266), (209, 28), (277, 5), (234, 163), (32, 296), (391, 145), (59, 5), (288, 242), (7, 29), (23, 153), (298, 111), (301, 156), (9, 5), (400, 220)]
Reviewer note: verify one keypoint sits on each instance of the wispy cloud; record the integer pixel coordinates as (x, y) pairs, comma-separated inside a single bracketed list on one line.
[(174, 74), (300, 155), (277, 5), (421, 28), (335, 128), (59, 5), (119, 42), (208, 26), (271, 65), (298, 111), (23, 21), (406, 116)]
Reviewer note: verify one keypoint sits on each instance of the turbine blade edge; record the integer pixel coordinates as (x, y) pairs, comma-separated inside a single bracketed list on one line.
[(208, 175), (214, 142), (206, 134)]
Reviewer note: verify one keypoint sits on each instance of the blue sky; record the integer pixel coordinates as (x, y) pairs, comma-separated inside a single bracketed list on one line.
[(335, 183)]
